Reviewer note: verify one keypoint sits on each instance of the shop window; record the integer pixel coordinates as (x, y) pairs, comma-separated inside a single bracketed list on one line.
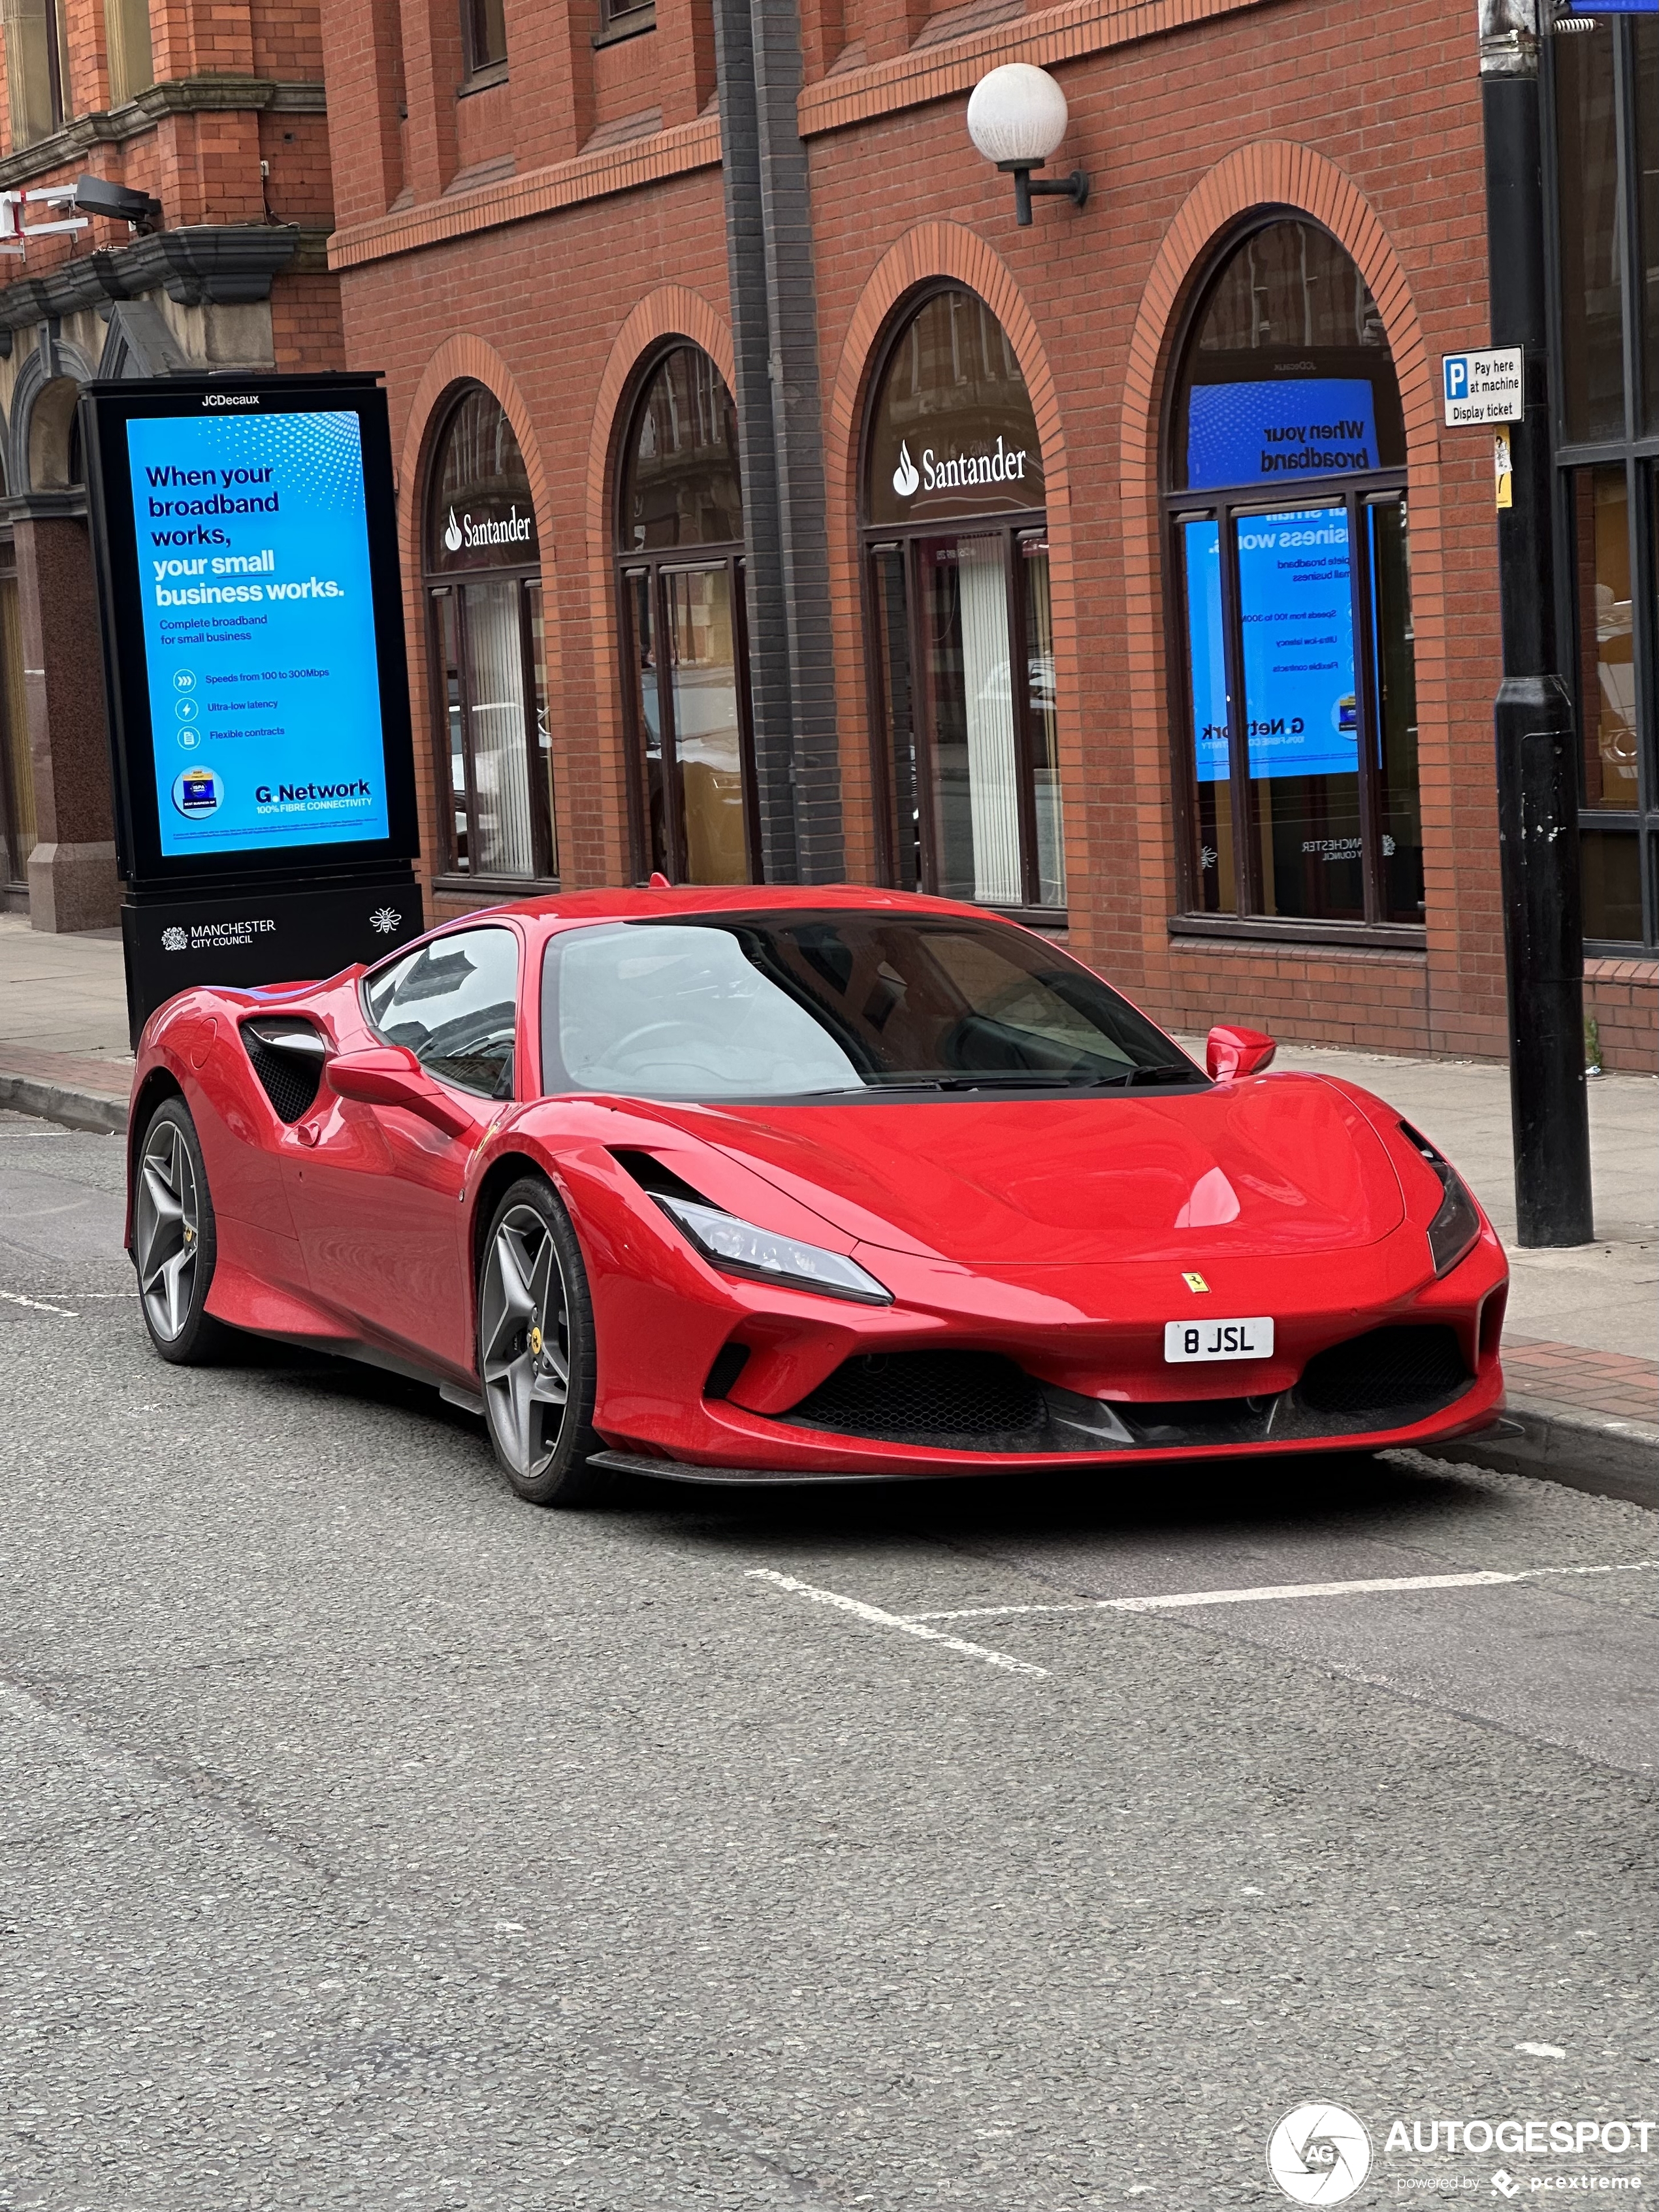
[(37, 69), (16, 772), (1291, 633), (959, 624), (132, 66), (1602, 94), (685, 640), (483, 30), (483, 591)]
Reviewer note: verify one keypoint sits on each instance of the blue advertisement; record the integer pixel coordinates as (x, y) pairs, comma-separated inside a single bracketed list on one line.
[(1248, 434), (1296, 604), (258, 625), (1205, 654)]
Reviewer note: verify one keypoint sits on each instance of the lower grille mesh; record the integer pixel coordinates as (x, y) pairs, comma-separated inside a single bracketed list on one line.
[(970, 1401), (1385, 1369)]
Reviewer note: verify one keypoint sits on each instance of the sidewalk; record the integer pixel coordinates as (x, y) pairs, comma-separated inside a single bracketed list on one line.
[(1581, 1349)]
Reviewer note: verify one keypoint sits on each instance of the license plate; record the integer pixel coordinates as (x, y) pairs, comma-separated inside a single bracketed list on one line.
[(1220, 1340)]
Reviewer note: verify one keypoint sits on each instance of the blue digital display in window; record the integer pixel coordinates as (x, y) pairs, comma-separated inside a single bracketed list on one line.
[(1280, 432)]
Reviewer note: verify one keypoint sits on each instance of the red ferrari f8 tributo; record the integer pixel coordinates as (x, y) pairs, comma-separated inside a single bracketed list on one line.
[(776, 1185)]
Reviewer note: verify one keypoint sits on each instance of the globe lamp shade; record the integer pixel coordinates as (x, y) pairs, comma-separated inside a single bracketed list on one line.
[(1017, 114), (1016, 118)]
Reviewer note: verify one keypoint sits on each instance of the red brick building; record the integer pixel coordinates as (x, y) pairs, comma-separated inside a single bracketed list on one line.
[(675, 297), (214, 110)]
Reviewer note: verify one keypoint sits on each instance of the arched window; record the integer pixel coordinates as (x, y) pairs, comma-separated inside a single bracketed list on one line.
[(1290, 550), (684, 644), (483, 588), (960, 634)]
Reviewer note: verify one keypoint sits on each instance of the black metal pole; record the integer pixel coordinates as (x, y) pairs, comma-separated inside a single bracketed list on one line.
[(1537, 759)]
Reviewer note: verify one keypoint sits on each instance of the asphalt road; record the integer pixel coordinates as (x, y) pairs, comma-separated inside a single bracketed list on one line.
[(369, 1840)]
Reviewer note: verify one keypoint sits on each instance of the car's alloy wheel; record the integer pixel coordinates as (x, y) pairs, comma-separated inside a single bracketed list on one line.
[(535, 1349), (174, 1242)]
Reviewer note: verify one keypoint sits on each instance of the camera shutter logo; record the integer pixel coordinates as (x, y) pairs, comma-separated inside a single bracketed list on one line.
[(1319, 2154)]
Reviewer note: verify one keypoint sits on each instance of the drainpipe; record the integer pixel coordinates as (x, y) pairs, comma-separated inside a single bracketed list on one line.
[(768, 237)]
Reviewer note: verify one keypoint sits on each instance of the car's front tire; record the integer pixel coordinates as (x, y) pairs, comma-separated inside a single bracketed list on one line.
[(175, 1244), (536, 1350)]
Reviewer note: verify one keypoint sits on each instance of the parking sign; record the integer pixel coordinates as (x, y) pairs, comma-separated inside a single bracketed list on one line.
[(1484, 387)]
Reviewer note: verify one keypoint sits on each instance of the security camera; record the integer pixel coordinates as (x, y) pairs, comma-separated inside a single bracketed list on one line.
[(95, 196)]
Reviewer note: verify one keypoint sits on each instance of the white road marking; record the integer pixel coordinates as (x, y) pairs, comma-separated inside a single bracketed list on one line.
[(1484, 1579), (878, 1618), (37, 1305), (1541, 2050)]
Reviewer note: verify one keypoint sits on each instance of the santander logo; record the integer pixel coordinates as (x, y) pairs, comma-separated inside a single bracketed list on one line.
[(1006, 465), (453, 535)]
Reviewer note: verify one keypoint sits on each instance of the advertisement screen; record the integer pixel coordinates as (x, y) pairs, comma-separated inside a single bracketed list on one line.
[(259, 641), (1295, 600), (1296, 427)]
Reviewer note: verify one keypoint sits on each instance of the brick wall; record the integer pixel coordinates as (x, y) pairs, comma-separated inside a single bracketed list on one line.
[(1186, 117)]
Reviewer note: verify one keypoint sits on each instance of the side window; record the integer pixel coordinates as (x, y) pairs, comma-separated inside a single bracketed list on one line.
[(454, 1004)]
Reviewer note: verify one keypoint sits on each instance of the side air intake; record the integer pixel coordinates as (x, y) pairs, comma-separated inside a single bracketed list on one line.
[(287, 1055)]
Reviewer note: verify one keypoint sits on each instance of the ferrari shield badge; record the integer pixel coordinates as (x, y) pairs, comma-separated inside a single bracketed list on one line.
[(1195, 1282)]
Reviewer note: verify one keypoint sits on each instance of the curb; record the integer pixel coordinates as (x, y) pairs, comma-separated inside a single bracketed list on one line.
[(53, 1102), (1600, 1453)]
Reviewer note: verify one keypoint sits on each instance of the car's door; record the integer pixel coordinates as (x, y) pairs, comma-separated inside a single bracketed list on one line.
[(377, 1197)]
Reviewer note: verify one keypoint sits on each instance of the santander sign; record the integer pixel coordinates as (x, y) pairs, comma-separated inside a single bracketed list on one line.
[(961, 473)]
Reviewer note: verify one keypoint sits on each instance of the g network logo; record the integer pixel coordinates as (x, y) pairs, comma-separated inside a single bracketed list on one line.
[(1319, 2153), (905, 478)]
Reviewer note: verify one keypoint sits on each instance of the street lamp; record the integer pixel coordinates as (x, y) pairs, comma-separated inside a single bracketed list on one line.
[(1016, 118)]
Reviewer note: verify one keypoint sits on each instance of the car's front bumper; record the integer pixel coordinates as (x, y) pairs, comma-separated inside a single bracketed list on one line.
[(1091, 1338)]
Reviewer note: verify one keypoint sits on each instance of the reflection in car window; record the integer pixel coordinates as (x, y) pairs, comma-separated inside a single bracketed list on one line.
[(454, 1003), (842, 1003)]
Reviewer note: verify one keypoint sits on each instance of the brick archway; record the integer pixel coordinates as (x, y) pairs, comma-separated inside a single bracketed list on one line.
[(465, 359), (1274, 173), (671, 312), (930, 252)]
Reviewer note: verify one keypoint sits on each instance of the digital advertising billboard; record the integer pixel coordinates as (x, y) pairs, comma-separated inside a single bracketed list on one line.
[(253, 626)]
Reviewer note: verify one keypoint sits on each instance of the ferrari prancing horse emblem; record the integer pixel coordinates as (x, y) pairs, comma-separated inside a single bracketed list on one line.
[(1195, 1282)]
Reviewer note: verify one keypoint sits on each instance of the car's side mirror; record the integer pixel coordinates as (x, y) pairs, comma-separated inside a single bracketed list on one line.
[(1233, 1052), (390, 1075)]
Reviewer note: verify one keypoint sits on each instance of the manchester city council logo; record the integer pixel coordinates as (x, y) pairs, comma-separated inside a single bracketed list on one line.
[(1319, 2153)]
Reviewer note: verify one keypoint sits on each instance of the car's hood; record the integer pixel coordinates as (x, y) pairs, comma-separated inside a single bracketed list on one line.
[(1281, 1164)]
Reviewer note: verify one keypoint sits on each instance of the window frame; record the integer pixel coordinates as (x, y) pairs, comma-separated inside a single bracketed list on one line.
[(483, 68), (876, 538), (1226, 504), (656, 564), (1637, 453), (55, 89), (450, 584), (623, 19)]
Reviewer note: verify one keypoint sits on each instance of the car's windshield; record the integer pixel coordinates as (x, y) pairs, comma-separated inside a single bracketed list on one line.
[(835, 1005)]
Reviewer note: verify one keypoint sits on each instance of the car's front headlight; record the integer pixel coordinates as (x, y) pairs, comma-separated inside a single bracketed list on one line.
[(1456, 1224), (738, 1248)]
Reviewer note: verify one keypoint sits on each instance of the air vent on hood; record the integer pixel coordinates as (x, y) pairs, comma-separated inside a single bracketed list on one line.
[(648, 1171), (286, 1054)]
